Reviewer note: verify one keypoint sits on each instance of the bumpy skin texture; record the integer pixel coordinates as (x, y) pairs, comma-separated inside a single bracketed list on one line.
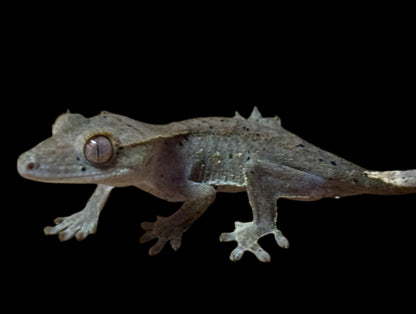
[(189, 162)]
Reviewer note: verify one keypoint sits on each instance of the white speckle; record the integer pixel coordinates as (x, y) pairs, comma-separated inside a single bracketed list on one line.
[(337, 197), (239, 155), (217, 154), (200, 152)]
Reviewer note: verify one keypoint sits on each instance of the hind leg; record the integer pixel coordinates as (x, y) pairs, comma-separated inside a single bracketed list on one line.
[(262, 197), (265, 184)]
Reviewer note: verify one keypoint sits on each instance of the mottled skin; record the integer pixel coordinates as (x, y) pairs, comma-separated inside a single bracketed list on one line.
[(189, 162)]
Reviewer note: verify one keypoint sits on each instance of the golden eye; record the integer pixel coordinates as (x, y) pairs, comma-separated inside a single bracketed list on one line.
[(98, 150)]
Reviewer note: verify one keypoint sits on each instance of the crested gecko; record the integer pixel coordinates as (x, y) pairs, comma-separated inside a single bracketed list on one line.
[(190, 161)]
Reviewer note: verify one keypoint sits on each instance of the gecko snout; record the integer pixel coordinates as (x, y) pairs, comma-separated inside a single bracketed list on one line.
[(26, 164)]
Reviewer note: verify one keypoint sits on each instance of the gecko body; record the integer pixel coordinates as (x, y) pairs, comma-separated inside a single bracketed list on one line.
[(192, 160)]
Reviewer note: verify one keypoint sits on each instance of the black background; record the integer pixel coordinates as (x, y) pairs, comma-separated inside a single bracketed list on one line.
[(346, 88)]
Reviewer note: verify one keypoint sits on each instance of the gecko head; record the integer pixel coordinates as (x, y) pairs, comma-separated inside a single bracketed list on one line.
[(83, 150)]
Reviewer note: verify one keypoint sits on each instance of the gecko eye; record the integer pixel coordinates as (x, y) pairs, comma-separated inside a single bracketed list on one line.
[(98, 150)]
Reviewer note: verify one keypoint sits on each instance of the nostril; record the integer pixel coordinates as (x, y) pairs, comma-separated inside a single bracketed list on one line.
[(27, 165), (31, 166)]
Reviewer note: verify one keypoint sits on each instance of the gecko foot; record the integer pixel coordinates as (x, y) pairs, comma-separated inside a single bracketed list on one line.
[(80, 225), (165, 230), (247, 234)]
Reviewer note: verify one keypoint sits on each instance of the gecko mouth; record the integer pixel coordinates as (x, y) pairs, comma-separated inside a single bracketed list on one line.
[(29, 168)]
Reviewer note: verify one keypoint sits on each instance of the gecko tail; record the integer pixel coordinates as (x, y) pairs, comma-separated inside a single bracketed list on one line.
[(393, 182)]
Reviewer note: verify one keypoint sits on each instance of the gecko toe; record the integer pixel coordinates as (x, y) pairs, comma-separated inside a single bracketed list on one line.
[(79, 225), (58, 220), (237, 254), (66, 235), (146, 226), (54, 230), (157, 247), (175, 243), (48, 230), (147, 237), (246, 235), (164, 229), (227, 237), (261, 254), (281, 239), (82, 234), (256, 249)]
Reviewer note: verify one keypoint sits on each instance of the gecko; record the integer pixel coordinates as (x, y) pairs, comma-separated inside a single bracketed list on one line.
[(189, 162)]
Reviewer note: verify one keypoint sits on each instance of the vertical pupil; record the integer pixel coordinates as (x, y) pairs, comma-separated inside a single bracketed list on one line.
[(97, 149)]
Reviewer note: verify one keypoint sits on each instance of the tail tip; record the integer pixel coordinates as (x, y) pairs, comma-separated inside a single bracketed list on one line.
[(405, 178)]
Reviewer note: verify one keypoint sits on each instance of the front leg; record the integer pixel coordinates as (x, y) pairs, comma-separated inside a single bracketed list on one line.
[(85, 222), (171, 228)]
